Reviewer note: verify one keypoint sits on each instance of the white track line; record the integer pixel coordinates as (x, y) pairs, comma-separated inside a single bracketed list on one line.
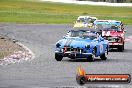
[(92, 3), (27, 49)]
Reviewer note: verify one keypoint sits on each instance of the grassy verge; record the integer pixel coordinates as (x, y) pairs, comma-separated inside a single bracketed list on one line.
[(23, 11)]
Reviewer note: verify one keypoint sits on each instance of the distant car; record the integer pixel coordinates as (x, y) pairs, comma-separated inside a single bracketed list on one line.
[(84, 21), (82, 44), (113, 31)]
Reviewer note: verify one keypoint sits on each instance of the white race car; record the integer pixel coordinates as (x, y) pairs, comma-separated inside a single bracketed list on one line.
[(85, 21)]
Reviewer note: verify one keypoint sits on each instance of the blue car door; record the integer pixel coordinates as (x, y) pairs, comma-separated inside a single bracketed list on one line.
[(101, 46)]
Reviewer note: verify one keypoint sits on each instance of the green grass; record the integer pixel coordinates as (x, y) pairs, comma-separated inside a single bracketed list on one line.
[(31, 11)]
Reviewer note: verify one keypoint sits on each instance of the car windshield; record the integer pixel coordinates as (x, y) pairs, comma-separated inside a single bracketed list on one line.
[(91, 20), (107, 27), (81, 20), (82, 34)]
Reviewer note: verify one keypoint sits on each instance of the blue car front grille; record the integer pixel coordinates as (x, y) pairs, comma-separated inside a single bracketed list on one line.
[(73, 49)]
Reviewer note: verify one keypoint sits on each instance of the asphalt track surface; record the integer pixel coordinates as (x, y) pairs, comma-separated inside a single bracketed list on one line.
[(45, 71)]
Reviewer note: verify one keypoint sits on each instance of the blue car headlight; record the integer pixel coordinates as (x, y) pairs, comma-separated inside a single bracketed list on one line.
[(58, 45)]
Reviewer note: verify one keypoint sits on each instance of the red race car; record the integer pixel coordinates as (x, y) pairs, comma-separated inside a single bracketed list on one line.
[(113, 31)]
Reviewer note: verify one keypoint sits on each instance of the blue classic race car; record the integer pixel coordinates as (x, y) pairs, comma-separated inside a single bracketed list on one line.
[(82, 44)]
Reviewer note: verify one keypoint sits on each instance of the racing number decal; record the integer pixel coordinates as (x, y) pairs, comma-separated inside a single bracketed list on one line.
[(101, 48)]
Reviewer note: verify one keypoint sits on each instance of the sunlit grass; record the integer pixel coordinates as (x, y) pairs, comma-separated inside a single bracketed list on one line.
[(23, 11)]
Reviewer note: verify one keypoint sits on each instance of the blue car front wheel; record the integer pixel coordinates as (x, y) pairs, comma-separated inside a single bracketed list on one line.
[(91, 58), (103, 56), (58, 57)]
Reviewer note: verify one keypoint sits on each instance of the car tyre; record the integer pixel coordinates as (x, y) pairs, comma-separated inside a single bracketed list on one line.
[(120, 48), (123, 46), (103, 56), (91, 58), (58, 57)]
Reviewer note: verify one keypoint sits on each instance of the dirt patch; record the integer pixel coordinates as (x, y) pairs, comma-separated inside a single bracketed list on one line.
[(12, 51)]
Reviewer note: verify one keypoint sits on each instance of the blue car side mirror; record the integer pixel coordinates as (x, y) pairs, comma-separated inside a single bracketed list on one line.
[(102, 39)]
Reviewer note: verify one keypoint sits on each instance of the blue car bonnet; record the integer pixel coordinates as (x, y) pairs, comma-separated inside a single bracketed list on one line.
[(76, 42)]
